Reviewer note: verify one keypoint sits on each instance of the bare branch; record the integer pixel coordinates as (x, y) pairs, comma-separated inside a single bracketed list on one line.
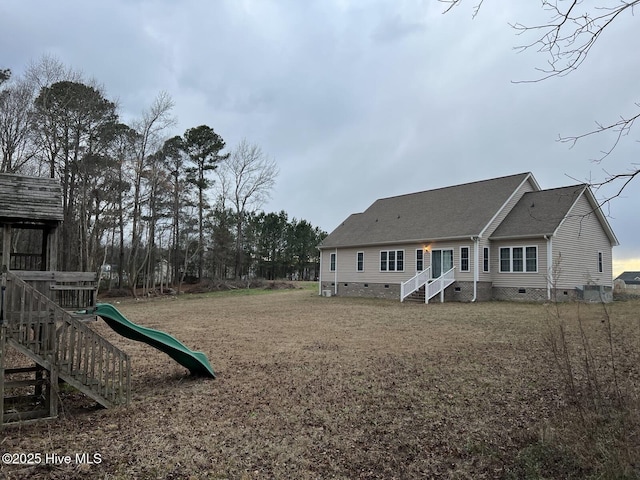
[(567, 38), (621, 128), (455, 3), (569, 35), (622, 178)]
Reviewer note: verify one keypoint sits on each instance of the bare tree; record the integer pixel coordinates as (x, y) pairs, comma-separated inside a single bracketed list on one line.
[(16, 106), (20, 145), (48, 70), (246, 180), (567, 38), (175, 162), (150, 128)]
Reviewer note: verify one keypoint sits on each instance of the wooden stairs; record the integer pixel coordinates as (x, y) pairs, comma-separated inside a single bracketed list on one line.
[(417, 296), (62, 347)]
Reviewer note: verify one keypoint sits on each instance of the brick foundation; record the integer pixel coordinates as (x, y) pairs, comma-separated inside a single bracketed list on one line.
[(389, 291), (463, 292), (515, 294), (564, 295)]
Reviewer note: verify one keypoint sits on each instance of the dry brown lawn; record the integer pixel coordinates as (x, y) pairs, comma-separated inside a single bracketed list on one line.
[(313, 387)]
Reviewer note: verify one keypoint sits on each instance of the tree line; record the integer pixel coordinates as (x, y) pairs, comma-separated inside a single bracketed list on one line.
[(141, 205)]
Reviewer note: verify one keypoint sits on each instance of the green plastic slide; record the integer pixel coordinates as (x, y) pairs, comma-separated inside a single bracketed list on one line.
[(196, 362)]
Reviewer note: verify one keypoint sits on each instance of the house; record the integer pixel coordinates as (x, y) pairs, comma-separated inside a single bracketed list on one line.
[(628, 282), (503, 238), (629, 278)]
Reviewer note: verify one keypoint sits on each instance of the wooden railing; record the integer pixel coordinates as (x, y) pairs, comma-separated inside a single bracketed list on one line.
[(55, 339), (414, 283), (69, 290), (25, 261)]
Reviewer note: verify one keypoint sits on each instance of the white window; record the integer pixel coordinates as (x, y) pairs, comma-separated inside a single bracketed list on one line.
[(485, 259), (360, 262), (519, 259), (332, 266), (600, 267), (392, 260), (531, 259), (464, 259), (419, 260)]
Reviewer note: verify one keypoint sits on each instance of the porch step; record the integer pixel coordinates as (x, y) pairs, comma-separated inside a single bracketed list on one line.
[(416, 297)]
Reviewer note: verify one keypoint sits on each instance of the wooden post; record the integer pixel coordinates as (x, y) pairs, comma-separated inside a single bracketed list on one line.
[(44, 251), (52, 250), (3, 346), (40, 379), (52, 392), (6, 245), (3, 336)]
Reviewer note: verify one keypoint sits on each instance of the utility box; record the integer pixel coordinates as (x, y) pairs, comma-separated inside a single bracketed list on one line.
[(595, 293)]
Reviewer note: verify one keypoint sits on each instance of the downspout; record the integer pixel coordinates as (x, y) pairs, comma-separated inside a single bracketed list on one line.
[(335, 275), (550, 278), (320, 275), (476, 276)]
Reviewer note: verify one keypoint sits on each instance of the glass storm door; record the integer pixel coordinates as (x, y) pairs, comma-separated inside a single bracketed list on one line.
[(441, 262)]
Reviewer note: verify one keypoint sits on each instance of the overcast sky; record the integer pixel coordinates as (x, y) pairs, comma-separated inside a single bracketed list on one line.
[(355, 100)]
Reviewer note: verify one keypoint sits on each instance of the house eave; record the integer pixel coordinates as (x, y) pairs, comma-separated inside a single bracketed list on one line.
[(521, 237), (402, 242)]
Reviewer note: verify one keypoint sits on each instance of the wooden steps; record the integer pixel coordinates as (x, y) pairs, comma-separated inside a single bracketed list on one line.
[(416, 296), (63, 347)]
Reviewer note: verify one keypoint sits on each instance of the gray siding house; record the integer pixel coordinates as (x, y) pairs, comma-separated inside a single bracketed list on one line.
[(502, 238)]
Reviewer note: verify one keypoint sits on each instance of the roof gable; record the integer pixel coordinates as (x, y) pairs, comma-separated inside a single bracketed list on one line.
[(444, 213), (631, 278), (596, 208), (538, 213), (541, 213)]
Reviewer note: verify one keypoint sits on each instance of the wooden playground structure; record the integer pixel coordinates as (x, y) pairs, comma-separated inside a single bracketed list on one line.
[(41, 314)]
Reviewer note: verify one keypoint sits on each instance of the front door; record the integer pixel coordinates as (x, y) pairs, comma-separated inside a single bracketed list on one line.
[(441, 262)]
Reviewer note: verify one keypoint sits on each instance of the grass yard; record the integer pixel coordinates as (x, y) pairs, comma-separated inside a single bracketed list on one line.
[(314, 387)]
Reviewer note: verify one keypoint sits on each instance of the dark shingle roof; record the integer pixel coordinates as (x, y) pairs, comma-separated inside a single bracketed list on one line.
[(30, 199), (630, 278), (538, 213), (450, 212)]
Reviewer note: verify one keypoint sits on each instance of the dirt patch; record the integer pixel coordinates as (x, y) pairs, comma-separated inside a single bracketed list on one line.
[(226, 285), (115, 293), (314, 387), (280, 285)]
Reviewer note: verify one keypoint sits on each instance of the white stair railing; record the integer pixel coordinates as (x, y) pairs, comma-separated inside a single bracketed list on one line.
[(438, 285), (414, 283)]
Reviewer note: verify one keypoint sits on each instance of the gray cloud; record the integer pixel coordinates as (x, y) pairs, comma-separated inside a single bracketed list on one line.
[(355, 100)]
